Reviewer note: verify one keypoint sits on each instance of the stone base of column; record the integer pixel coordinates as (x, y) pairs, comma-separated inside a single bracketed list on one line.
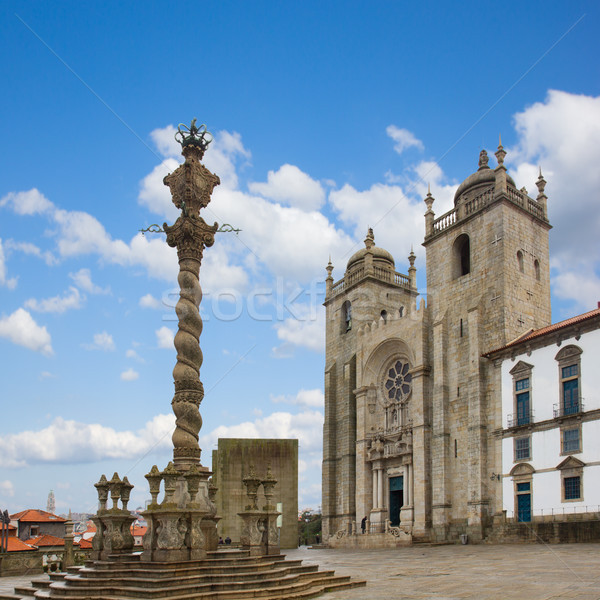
[(407, 514), (259, 532), (377, 519), (113, 533)]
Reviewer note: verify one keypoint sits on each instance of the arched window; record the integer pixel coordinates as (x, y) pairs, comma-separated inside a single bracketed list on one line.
[(401, 311), (346, 316), (384, 316), (536, 268), (462, 256), (520, 261)]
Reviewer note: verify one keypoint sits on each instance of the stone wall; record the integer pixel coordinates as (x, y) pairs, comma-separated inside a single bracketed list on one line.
[(231, 463), (20, 563)]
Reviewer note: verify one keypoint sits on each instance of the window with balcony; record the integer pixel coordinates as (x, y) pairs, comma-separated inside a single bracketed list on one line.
[(569, 368), (523, 413), (523, 405)]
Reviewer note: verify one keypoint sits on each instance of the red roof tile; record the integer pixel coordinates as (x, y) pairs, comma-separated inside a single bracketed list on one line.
[(46, 540), (536, 333), (16, 545), (33, 515), (85, 544)]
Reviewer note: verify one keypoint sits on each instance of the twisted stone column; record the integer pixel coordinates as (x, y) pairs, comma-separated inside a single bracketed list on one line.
[(191, 186)]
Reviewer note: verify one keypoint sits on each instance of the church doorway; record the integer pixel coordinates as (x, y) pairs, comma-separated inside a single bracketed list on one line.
[(396, 499)]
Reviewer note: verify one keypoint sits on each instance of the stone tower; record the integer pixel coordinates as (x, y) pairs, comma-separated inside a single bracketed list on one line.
[(374, 434), (410, 405), (488, 282)]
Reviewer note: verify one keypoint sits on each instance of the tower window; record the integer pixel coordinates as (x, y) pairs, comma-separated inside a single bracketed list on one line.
[(384, 315), (401, 311), (462, 256), (536, 267), (520, 261), (346, 316)]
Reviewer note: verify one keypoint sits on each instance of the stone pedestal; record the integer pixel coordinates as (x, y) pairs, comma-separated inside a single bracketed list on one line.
[(259, 532), (377, 520), (184, 525), (113, 534), (113, 525)]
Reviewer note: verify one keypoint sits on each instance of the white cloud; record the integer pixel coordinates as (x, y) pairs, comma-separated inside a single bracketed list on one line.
[(21, 329), (404, 139), (561, 134), (67, 441), (222, 158), (7, 489), (308, 398), (31, 202), (155, 195), (32, 250), (305, 329), (305, 426), (57, 304), (102, 341), (396, 218), (292, 186), (149, 301), (165, 337), (131, 353), (165, 142), (287, 241), (129, 375), (11, 284), (83, 280)]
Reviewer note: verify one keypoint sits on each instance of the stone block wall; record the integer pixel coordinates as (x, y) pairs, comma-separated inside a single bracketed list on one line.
[(231, 463)]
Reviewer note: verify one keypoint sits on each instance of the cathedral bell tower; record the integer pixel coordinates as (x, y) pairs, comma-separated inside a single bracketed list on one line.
[(488, 282)]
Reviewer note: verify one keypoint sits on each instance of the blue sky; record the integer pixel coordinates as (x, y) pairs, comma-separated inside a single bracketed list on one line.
[(328, 117)]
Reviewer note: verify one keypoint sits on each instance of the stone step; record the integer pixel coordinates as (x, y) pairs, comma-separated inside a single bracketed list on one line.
[(90, 577), (158, 570), (181, 589), (227, 590), (244, 559)]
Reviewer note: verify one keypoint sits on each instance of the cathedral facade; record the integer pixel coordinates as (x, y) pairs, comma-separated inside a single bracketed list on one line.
[(411, 403)]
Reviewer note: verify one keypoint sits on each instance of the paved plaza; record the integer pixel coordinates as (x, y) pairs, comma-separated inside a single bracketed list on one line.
[(503, 572), (482, 572)]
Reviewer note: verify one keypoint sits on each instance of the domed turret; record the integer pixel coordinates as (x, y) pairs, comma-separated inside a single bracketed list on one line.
[(482, 179), (381, 257)]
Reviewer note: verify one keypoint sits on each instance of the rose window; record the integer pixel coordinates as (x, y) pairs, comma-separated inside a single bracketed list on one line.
[(397, 382)]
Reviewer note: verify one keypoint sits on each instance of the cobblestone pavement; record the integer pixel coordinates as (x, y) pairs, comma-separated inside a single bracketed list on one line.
[(482, 572)]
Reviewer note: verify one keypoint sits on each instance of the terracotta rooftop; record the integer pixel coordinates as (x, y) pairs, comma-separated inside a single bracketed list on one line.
[(84, 544), (33, 515), (46, 540), (16, 545), (536, 333)]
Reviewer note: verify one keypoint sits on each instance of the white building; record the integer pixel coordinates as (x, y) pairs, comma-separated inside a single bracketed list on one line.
[(551, 422)]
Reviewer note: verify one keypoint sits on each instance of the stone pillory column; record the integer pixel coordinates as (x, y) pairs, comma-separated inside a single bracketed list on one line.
[(183, 525), (191, 186)]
